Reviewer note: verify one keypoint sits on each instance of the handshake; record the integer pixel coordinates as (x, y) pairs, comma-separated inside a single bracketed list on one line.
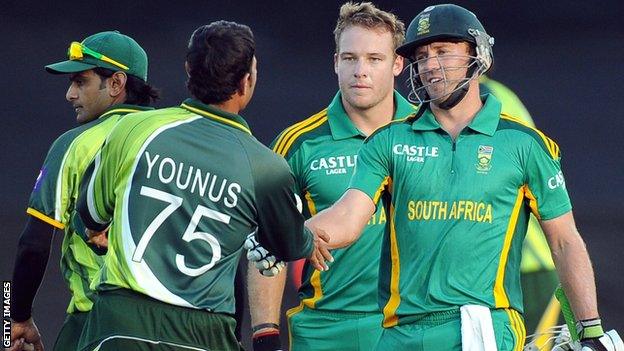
[(270, 266)]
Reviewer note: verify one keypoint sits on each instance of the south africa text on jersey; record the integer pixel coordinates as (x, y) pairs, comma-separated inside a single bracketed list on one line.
[(466, 210), (192, 179)]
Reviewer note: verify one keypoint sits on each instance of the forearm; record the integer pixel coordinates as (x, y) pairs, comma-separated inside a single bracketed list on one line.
[(341, 232), (33, 252), (577, 277), (265, 296), (573, 265), (344, 221)]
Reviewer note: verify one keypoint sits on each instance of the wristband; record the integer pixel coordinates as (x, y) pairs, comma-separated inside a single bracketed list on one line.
[(589, 328), (261, 326)]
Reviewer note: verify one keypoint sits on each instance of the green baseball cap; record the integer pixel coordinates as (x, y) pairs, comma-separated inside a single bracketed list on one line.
[(111, 50)]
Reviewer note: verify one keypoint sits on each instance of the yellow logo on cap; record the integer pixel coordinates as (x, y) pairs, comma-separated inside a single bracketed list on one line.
[(423, 25)]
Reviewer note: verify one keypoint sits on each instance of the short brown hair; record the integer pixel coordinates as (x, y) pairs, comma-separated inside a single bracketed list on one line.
[(367, 15)]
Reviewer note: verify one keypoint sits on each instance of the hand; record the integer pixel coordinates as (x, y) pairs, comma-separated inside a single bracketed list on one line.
[(592, 345), (610, 341), (267, 264), (25, 336), (321, 253), (99, 239)]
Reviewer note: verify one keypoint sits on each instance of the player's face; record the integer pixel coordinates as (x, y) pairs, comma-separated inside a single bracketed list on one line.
[(88, 95), (442, 66), (366, 66)]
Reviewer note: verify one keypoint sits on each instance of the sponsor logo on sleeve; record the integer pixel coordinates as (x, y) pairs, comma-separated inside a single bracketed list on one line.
[(556, 181)]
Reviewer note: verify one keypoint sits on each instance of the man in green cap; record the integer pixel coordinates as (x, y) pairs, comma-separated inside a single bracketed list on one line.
[(108, 79)]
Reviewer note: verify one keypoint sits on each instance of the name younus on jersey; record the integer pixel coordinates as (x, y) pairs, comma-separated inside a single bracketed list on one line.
[(193, 179)]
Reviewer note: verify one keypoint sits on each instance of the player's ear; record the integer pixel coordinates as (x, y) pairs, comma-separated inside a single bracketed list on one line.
[(117, 83), (244, 85), (397, 67)]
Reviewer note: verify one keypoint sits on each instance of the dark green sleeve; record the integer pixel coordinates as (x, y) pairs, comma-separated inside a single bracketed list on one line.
[(44, 195), (280, 222)]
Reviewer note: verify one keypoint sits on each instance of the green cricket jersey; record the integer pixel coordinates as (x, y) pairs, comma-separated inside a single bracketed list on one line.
[(458, 210), (54, 196), (322, 152), (535, 251), (182, 187)]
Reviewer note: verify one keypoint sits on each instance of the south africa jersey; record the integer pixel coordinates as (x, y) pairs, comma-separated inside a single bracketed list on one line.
[(322, 153), (54, 196), (181, 188), (458, 209)]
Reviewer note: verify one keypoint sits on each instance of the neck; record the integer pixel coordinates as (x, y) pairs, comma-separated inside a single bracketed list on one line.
[(370, 119), (231, 106), (455, 119)]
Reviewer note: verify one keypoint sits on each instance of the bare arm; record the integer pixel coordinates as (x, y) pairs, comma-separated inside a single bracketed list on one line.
[(265, 296), (344, 221), (573, 265)]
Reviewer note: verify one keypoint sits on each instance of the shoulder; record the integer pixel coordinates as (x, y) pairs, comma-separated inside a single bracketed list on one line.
[(291, 138), (548, 145), (63, 143), (396, 126)]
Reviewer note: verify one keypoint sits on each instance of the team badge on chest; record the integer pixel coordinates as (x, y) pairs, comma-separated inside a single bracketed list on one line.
[(484, 158)]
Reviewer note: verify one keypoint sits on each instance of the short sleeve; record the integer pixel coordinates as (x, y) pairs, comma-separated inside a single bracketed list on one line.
[(546, 187)]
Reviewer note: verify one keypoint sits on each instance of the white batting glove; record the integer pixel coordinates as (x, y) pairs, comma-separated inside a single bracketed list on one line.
[(267, 264)]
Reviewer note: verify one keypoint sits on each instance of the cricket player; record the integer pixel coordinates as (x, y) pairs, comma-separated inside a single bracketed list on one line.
[(338, 308), (179, 190), (108, 79), (459, 180)]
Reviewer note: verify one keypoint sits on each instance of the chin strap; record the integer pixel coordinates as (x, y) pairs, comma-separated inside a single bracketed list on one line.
[(454, 98)]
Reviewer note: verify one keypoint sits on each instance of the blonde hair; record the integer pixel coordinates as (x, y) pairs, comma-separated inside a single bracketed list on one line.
[(367, 15)]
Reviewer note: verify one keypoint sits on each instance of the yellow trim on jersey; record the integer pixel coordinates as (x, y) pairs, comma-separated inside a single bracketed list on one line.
[(384, 184), (291, 312), (215, 117), (549, 319), (514, 328), (532, 201), (500, 296), (522, 330), (552, 147), (311, 205), (389, 310), (290, 131), (53, 222), (517, 326), (313, 126), (315, 281), (119, 110)]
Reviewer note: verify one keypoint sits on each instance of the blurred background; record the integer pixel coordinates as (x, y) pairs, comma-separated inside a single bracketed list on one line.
[(562, 58)]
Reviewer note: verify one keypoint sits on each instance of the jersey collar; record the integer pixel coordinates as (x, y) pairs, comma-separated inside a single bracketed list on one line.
[(341, 126), (485, 122), (215, 114), (122, 109)]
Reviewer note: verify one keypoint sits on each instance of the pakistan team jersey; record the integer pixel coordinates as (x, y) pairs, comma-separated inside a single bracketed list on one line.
[(458, 210), (54, 196), (183, 187), (322, 152)]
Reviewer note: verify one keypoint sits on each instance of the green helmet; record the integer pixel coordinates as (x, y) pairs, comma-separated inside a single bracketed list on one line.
[(447, 21), (443, 23)]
